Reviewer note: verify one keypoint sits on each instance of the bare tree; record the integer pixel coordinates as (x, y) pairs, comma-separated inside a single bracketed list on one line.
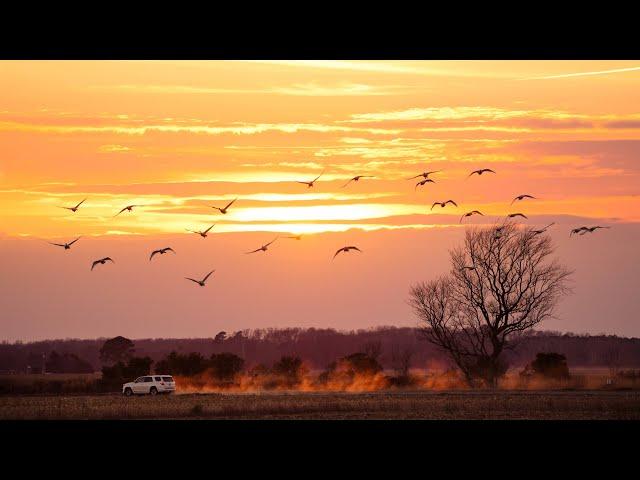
[(401, 359), (373, 349), (502, 283)]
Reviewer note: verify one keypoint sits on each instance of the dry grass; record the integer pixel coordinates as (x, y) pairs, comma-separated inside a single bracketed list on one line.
[(378, 405)]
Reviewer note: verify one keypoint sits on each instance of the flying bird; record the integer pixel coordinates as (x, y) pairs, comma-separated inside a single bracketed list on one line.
[(264, 247), (481, 171), (513, 215), (443, 204), (521, 197), (355, 179), (295, 237), (466, 267), (577, 230), (162, 251), (346, 250), (223, 210), (424, 174), (201, 282), (74, 209), (102, 261), (423, 182), (310, 184), (590, 229), (203, 233), (468, 214), (128, 208), (66, 246), (538, 232)]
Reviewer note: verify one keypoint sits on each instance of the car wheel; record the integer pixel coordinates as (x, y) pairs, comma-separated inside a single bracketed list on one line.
[(128, 392), (153, 391)]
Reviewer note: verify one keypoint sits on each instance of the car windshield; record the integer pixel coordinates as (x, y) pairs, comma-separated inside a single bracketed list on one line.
[(167, 379)]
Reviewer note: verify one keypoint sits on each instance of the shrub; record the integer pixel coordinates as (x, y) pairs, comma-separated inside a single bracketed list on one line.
[(548, 365)]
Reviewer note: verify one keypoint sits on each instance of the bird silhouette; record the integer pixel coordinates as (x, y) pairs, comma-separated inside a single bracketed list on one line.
[(102, 261), (443, 204), (577, 230), (468, 214), (538, 232), (423, 182), (466, 267), (66, 246), (295, 237), (424, 174), (128, 208), (203, 233), (590, 229), (74, 209), (264, 247), (224, 209), (513, 215), (521, 197), (481, 171), (346, 250), (162, 251), (310, 184), (356, 179), (201, 282)]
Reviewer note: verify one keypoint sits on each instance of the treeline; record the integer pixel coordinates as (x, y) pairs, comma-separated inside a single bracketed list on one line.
[(317, 347)]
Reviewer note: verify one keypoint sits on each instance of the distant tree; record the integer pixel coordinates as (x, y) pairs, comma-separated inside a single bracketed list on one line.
[(220, 337), (178, 364), (549, 365), (501, 284), (67, 363), (118, 349), (373, 349), (138, 366), (225, 366), (401, 359), (362, 363), (119, 373), (290, 369)]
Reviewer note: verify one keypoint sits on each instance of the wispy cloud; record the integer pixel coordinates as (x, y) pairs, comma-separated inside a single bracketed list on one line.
[(380, 67), (301, 89), (237, 129), (113, 148), (348, 89), (584, 74)]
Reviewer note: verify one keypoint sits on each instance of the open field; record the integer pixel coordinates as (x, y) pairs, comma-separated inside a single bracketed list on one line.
[(570, 405)]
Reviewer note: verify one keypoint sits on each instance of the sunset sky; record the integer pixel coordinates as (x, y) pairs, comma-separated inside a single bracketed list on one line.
[(177, 136)]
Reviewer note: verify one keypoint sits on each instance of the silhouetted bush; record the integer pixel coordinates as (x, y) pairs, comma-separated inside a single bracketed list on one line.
[(289, 370), (484, 368), (548, 365), (186, 365), (120, 373), (401, 381), (347, 368), (225, 366)]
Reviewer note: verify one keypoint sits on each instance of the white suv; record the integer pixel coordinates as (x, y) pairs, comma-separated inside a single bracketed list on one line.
[(150, 384)]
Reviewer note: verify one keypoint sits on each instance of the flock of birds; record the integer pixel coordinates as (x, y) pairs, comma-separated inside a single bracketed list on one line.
[(346, 249)]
